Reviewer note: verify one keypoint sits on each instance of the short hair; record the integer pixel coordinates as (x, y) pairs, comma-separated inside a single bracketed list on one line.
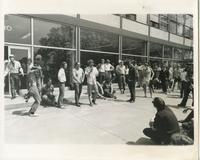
[(107, 60), (39, 57), (76, 63), (90, 61), (159, 103), (63, 63)]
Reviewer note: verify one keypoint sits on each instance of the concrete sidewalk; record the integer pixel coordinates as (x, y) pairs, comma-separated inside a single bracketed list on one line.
[(108, 122)]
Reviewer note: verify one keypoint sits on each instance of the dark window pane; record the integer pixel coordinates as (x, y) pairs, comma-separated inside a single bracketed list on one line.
[(51, 61), (154, 18), (172, 27), (155, 63), (130, 16), (178, 53), (99, 41), (133, 46), (188, 20), (154, 24), (155, 50), (188, 54), (17, 29), (53, 34), (188, 32), (167, 52), (172, 17)]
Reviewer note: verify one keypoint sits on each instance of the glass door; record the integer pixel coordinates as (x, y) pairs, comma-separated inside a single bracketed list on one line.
[(21, 54)]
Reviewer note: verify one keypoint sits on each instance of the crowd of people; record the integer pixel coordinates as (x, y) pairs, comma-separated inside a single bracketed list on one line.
[(100, 80)]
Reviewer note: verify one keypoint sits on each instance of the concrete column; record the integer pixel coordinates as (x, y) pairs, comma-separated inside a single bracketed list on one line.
[(148, 50), (78, 40)]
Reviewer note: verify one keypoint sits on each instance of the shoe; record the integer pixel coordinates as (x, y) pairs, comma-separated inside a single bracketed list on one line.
[(115, 97), (91, 105), (78, 105), (61, 107), (129, 100), (132, 101), (33, 115), (13, 97), (180, 105), (94, 102)]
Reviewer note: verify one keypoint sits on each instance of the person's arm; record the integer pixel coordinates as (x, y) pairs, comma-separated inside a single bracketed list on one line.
[(7, 70), (112, 67), (21, 69), (61, 74), (74, 75), (83, 76), (111, 86), (152, 74), (157, 125)]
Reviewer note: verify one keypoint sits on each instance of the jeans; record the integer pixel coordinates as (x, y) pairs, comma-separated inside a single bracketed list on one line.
[(131, 86), (33, 91), (186, 95), (91, 96), (102, 76), (78, 90), (61, 93), (121, 82), (15, 83)]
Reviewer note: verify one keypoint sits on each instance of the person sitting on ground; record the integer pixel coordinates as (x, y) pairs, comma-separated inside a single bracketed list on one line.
[(108, 90), (48, 98), (165, 123)]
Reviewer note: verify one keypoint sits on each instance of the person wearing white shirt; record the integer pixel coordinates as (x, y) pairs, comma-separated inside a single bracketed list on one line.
[(183, 82), (62, 81), (91, 73), (14, 68), (120, 70), (77, 78), (108, 69), (101, 69)]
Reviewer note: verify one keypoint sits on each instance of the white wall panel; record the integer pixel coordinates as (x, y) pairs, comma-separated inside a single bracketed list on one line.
[(176, 39), (157, 33), (141, 18), (110, 20), (134, 26), (188, 42)]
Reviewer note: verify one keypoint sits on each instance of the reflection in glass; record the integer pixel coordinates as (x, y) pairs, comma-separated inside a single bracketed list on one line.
[(54, 34), (178, 53), (180, 18), (180, 29), (51, 61), (167, 52), (172, 27), (138, 60), (17, 29), (155, 50), (133, 46), (99, 41)]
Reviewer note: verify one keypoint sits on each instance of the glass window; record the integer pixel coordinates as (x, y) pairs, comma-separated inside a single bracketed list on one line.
[(85, 56), (188, 20), (167, 52), (163, 23), (133, 46), (131, 17), (138, 60), (188, 32), (188, 54), (51, 61), (54, 34), (172, 27), (99, 41), (154, 18), (180, 29), (180, 18), (155, 50), (154, 24), (178, 53), (172, 17), (17, 29)]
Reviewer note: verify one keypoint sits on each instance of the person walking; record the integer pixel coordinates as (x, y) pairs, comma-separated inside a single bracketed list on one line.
[(62, 81), (77, 78), (14, 68), (120, 71), (131, 80), (164, 78), (108, 69)]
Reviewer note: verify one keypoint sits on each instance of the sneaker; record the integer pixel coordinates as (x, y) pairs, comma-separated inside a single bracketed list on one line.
[(94, 102), (33, 115), (132, 101), (91, 105), (13, 97)]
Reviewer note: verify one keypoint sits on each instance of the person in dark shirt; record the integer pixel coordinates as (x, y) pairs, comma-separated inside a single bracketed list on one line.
[(164, 78), (48, 98), (108, 90), (165, 123), (132, 76)]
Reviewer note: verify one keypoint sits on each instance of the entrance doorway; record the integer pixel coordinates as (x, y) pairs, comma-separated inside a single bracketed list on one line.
[(21, 54)]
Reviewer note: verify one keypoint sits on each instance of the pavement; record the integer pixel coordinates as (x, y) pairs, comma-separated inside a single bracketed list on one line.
[(108, 122)]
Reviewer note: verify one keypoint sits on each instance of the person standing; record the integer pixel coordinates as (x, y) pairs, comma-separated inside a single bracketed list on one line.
[(91, 73), (39, 73), (108, 69), (131, 80), (183, 82), (148, 75), (176, 76), (164, 125), (102, 73), (164, 78), (62, 81), (120, 71), (77, 78), (14, 68)]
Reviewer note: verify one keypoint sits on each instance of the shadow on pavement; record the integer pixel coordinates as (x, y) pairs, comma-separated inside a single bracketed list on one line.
[(141, 141), (20, 113)]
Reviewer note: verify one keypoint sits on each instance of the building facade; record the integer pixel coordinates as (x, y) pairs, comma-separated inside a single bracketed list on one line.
[(163, 38)]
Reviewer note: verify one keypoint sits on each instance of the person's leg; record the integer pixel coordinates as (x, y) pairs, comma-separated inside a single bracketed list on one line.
[(150, 88), (182, 89), (76, 90), (12, 84), (44, 100), (152, 134), (61, 94), (145, 89), (123, 83), (185, 97), (131, 90), (17, 84), (80, 91), (119, 82), (89, 88), (96, 92)]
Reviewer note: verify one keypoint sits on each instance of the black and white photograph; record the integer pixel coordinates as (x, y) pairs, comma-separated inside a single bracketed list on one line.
[(104, 79)]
